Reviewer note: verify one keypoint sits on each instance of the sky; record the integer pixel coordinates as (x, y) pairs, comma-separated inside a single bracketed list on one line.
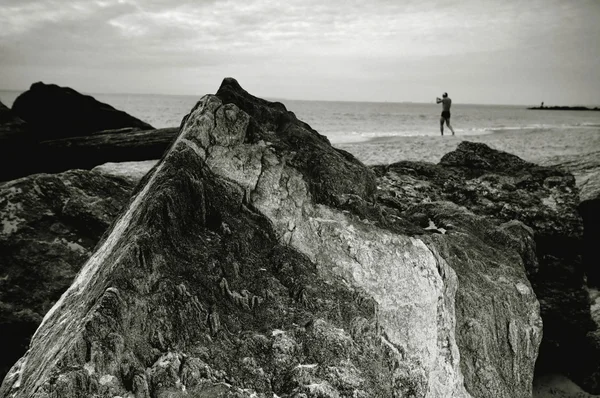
[(479, 51)]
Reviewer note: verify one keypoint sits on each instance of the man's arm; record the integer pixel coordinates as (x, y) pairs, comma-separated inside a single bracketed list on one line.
[(438, 100)]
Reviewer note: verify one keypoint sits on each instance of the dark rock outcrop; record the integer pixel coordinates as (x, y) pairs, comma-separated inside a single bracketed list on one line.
[(255, 259), (586, 169), (107, 146), (86, 152), (502, 187), (56, 112), (11, 126), (50, 226), (51, 129), (15, 140), (590, 214), (564, 108)]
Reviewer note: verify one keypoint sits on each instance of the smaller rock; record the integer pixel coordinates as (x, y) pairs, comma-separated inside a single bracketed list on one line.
[(49, 226), (53, 111)]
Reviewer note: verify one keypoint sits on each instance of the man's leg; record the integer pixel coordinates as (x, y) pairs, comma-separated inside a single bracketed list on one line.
[(442, 125), (450, 127)]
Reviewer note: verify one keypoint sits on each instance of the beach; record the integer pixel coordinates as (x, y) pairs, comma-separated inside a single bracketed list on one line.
[(542, 146), (254, 200), (184, 195), (578, 146)]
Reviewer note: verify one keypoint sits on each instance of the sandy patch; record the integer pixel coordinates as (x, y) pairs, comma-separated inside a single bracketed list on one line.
[(543, 146), (133, 171), (539, 146)]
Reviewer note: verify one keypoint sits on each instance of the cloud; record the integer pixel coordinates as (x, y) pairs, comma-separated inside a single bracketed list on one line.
[(18, 17), (255, 28), (304, 40), (261, 28)]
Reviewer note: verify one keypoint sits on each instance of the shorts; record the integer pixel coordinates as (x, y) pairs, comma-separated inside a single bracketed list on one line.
[(446, 114)]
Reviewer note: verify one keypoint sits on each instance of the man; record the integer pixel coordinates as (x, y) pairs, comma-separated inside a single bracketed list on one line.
[(446, 102)]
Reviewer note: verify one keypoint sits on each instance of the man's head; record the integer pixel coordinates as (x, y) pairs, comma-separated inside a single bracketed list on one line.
[(445, 95)]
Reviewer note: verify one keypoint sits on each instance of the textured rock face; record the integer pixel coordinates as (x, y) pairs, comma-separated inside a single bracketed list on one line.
[(586, 170), (53, 111), (50, 225), (503, 187), (498, 328), (255, 260)]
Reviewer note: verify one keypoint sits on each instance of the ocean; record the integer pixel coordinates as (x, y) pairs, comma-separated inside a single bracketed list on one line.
[(352, 122)]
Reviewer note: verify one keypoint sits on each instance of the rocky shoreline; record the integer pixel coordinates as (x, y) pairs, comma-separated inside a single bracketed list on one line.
[(256, 259), (564, 108), (51, 129)]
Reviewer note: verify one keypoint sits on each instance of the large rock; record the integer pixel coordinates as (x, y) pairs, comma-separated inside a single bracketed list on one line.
[(50, 226), (54, 112), (502, 187), (254, 260)]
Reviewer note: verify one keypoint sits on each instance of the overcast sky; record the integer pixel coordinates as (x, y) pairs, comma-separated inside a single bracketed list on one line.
[(479, 51)]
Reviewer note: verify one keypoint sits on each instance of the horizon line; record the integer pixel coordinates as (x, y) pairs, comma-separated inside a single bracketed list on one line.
[(276, 99)]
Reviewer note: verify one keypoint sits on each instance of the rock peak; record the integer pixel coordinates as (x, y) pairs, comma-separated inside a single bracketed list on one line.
[(232, 83), (37, 85), (330, 172), (231, 91)]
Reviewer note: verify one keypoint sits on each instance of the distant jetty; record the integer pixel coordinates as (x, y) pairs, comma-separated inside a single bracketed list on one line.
[(564, 108)]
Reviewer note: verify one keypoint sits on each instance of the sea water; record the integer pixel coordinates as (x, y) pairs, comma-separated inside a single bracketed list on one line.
[(347, 122)]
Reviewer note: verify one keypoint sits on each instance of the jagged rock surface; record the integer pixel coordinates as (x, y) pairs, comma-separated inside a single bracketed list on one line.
[(502, 187), (53, 112), (255, 260), (50, 225)]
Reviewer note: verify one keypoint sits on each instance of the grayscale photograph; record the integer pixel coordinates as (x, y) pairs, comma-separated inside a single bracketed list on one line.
[(299, 199)]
